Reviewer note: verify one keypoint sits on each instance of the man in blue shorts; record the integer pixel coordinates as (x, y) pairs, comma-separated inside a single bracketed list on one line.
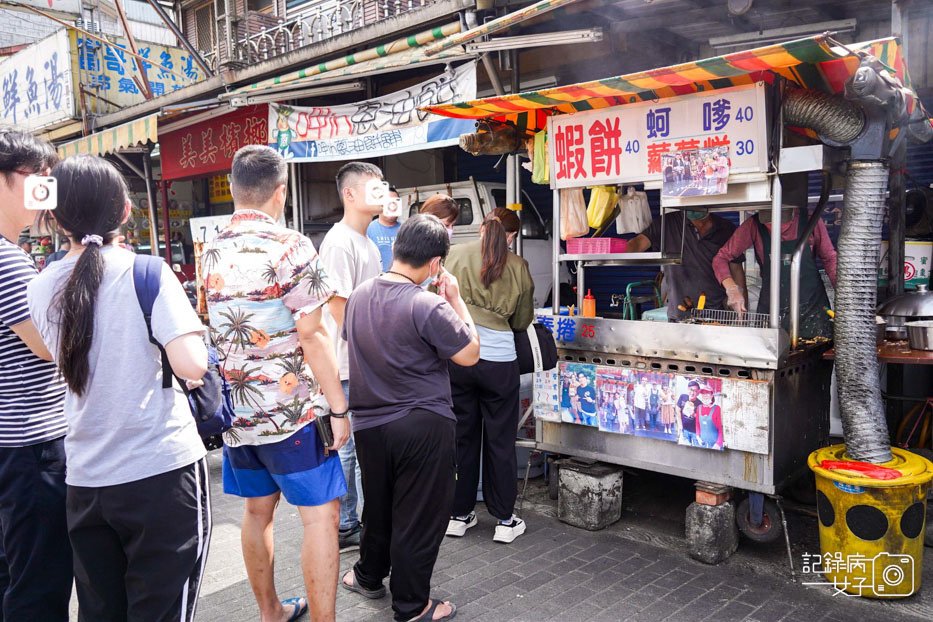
[(265, 292)]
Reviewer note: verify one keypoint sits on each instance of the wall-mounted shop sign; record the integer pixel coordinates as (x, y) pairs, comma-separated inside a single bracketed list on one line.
[(383, 126), (38, 90), (625, 144), (110, 71), (207, 148)]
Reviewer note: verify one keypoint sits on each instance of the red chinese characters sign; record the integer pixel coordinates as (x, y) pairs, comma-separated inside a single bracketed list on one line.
[(624, 144), (207, 148)]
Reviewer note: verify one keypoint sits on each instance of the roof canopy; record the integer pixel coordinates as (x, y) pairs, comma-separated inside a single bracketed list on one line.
[(135, 133), (815, 62)]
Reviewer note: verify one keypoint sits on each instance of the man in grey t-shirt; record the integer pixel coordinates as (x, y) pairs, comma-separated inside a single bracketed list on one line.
[(400, 338), (350, 258)]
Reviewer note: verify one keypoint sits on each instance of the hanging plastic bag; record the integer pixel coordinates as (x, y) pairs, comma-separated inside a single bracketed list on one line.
[(602, 201), (634, 212), (540, 173), (572, 214)]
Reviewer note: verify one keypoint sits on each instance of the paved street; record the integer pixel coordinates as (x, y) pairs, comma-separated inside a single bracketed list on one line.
[(635, 570)]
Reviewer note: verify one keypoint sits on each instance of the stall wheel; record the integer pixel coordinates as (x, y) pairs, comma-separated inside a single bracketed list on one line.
[(768, 529)]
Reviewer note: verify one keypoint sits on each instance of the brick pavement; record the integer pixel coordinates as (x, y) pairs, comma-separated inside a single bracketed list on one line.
[(637, 572)]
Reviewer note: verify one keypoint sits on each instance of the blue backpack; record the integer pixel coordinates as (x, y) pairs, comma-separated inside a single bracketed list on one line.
[(211, 404)]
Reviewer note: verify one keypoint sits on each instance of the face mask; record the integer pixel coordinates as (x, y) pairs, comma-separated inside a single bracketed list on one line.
[(428, 282), (695, 214), (450, 233)]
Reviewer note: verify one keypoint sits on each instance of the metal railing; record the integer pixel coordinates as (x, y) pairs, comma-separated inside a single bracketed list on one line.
[(259, 41)]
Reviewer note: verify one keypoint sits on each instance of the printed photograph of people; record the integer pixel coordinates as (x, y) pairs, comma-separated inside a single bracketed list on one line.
[(695, 172), (578, 393), (698, 412), (612, 387), (650, 416)]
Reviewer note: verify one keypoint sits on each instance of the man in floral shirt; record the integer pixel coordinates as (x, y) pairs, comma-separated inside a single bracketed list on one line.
[(265, 293)]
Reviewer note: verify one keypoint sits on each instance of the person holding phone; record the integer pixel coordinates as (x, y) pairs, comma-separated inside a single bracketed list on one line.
[(400, 339)]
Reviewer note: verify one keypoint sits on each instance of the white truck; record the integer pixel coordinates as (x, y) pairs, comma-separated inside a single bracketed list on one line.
[(478, 198)]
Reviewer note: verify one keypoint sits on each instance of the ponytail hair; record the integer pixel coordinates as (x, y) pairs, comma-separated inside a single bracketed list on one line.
[(495, 245), (92, 198)]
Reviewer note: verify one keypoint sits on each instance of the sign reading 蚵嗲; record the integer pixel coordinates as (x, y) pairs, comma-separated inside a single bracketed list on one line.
[(624, 144), (111, 72), (383, 126), (37, 84)]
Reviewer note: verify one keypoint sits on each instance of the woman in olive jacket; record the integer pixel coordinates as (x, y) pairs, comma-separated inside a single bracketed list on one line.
[(497, 287)]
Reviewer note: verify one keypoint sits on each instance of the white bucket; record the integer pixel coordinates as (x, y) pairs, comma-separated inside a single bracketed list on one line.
[(918, 256)]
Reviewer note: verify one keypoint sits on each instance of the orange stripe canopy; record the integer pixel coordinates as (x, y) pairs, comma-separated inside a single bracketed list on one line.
[(814, 62)]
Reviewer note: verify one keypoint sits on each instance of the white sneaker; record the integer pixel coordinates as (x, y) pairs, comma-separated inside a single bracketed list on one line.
[(507, 532), (458, 525)]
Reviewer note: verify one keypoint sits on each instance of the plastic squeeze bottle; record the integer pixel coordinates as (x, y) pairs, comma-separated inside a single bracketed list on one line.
[(589, 304)]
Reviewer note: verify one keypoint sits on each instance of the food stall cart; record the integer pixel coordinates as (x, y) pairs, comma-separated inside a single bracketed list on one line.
[(763, 392)]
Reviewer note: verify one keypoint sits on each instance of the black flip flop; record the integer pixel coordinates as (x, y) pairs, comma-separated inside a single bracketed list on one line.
[(362, 591), (428, 615)]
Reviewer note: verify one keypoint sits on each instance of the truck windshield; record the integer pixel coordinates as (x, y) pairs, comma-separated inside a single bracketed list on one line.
[(465, 205)]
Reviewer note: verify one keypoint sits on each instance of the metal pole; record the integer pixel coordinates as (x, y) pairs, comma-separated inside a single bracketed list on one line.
[(897, 191), (170, 24), (297, 218), (516, 171), (166, 223), (150, 196), (774, 306), (142, 83), (555, 249)]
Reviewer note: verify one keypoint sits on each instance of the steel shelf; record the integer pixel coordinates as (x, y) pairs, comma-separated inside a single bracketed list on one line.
[(624, 259)]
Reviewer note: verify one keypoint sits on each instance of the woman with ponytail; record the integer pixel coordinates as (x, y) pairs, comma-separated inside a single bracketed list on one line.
[(137, 502), (497, 288)]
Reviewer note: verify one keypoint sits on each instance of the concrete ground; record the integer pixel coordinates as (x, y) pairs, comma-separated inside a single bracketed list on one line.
[(637, 569)]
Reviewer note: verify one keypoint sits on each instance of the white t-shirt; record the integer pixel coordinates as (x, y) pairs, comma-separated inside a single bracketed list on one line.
[(125, 427), (349, 259)]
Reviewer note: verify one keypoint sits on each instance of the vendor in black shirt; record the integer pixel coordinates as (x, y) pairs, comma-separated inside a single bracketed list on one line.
[(704, 236)]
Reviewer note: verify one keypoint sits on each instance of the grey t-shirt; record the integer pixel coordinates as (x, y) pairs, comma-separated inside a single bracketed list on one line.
[(125, 427), (400, 338), (349, 259)]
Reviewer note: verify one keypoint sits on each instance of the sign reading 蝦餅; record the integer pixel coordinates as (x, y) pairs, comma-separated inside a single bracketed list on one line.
[(383, 126), (624, 144)]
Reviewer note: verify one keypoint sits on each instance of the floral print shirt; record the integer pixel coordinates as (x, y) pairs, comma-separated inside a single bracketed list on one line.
[(260, 279)]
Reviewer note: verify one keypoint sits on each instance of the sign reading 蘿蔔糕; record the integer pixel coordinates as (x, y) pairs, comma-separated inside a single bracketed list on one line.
[(386, 125), (37, 84), (624, 144)]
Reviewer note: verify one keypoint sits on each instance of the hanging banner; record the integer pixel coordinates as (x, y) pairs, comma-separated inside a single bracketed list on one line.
[(625, 144), (38, 89), (207, 148), (383, 126)]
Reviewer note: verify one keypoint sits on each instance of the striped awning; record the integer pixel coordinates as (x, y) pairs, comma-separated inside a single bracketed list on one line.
[(401, 52), (815, 62), (132, 134)]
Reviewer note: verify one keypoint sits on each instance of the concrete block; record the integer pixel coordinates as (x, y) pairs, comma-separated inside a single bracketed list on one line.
[(589, 495), (712, 535)]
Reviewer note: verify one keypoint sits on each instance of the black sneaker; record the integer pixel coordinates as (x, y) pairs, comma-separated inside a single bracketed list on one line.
[(349, 540)]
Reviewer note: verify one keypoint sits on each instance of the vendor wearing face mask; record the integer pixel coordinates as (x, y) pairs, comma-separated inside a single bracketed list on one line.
[(757, 231), (704, 236)]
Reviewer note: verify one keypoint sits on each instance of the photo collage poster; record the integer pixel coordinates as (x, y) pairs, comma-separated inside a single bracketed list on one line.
[(682, 409)]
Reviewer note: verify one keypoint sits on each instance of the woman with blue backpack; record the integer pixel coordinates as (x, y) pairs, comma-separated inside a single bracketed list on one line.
[(138, 504)]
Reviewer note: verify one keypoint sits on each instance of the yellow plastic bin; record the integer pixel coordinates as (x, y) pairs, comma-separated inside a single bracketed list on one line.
[(871, 529)]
